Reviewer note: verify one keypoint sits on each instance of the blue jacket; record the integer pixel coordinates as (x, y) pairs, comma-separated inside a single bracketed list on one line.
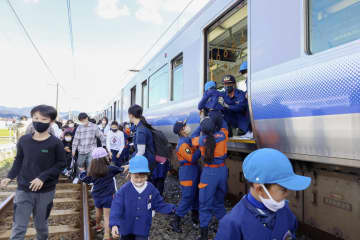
[(243, 223), (104, 186), (237, 103), (132, 212), (143, 136), (210, 100)]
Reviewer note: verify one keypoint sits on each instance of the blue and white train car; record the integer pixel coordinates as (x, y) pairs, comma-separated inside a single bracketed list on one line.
[(303, 87)]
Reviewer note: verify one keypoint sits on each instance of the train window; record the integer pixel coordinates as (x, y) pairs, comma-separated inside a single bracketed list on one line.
[(177, 77), (144, 94), (332, 23), (227, 47), (159, 87), (133, 96)]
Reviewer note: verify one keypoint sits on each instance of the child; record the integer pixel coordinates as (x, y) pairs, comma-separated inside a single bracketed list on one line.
[(39, 160), (189, 175), (115, 143), (102, 176), (67, 147), (264, 213), (131, 210), (210, 100)]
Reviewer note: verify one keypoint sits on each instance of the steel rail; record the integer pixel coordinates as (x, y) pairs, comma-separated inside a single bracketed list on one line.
[(6, 203), (85, 220)]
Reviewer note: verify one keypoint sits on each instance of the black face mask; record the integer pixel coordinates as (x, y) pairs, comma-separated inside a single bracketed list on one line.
[(114, 130), (41, 127), (229, 89)]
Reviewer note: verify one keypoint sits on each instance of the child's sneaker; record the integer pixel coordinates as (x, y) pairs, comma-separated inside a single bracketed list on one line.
[(76, 180)]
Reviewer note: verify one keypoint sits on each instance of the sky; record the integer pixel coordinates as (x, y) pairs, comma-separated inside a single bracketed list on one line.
[(110, 37)]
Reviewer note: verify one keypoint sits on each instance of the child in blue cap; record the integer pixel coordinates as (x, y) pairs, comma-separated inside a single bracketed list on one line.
[(131, 209), (264, 213), (210, 100)]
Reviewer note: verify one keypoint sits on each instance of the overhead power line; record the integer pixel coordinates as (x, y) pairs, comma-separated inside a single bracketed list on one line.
[(32, 42)]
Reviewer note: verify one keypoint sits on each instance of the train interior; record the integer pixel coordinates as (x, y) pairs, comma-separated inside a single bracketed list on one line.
[(227, 49)]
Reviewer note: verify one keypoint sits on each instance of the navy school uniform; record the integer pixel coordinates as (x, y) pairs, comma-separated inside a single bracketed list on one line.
[(103, 188), (131, 211), (210, 100), (213, 179), (143, 136), (124, 156), (250, 220), (237, 115), (189, 174), (68, 155)]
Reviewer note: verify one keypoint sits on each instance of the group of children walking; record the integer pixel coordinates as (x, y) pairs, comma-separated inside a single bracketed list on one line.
[(261, 214)]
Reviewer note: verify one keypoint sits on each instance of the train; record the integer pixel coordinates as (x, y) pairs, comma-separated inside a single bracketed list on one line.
[(303, 90)]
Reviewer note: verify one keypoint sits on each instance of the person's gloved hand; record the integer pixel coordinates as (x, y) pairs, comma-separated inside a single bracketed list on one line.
[(222, 102)]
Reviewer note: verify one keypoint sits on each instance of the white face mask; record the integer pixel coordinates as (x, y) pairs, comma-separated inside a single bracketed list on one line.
[(68, 139), (71, 125), (270, 203)]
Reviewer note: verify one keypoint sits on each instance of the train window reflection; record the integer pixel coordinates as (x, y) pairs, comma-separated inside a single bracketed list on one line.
[(177, 78), (144, 99), (332, 23), (159, 87), (227, 46), (133, 96)]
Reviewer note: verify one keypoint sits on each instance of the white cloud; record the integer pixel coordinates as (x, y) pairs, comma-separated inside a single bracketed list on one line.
[(31, 1), (110, 9)]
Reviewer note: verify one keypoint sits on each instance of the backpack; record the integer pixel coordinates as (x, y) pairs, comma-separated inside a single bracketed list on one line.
[(161, 145)]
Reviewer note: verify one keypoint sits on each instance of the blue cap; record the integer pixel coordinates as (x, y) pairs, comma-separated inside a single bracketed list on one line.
[(178, 126), (229, 79), (243, 66), (268, 165), (139, 164), (210, 84)]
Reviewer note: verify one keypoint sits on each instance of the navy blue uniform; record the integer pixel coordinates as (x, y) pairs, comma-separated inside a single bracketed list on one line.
[(210, 101), (103, 188), (237, 115), (143, 136), (131, 211), (189, 175), (250, 220)]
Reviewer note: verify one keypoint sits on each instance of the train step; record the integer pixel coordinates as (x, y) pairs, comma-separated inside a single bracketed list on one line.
[(54, 231)]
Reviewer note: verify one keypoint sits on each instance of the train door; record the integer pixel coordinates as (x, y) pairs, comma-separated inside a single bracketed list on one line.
[(227, 51)]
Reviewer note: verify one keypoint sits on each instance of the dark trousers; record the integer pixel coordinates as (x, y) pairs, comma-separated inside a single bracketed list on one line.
[(133, 237), (159, 183)]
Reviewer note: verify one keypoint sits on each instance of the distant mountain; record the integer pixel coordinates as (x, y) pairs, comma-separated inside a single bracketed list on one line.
[(12, 112)]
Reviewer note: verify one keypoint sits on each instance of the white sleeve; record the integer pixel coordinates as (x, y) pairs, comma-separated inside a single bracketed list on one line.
[(121, 142), (108, 142), (141, 150)]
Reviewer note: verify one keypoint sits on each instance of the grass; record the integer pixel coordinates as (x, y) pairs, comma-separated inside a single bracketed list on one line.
[(6, 163), (4, 133), (4, 141)]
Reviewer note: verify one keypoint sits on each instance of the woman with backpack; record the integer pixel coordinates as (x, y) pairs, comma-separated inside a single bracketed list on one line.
[(144, 146)]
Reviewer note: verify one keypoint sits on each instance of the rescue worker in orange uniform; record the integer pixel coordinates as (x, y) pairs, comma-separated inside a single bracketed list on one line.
[(189, 174), (213, 180)]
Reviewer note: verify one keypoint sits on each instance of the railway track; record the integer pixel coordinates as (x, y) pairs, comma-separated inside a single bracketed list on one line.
[(69, 218)]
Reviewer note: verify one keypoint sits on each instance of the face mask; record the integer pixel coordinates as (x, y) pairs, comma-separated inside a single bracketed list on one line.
[(71, 125), (113, 129), (41, 127), (187, 130), (138, 185), (229, 89), (68, 139), (270, 203)]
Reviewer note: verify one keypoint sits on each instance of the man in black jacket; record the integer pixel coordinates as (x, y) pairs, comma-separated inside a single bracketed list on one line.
[(39, 160)]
